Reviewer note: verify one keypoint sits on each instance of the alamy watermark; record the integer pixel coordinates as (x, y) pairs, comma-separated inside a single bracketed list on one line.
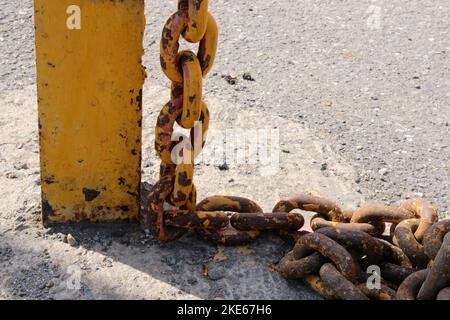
[(73, 281), (74, 20), (374, 280), (374, 15)]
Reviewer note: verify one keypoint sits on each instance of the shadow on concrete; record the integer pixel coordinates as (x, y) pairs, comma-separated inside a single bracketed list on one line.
[(232, 272)]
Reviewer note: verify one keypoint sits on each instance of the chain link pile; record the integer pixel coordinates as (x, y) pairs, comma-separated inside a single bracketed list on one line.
[(338, 259), (414, 257)]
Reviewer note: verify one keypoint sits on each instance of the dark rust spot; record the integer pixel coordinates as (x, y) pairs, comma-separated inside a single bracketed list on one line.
[(47, 210), (49, 180), (139, 99), (90, 194), (183, 179)]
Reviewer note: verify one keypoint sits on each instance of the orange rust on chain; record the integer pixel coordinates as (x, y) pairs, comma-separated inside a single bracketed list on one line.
[(165, 126), (439, 275), (311, 203), (344, 288), (382, 293), (169, 47), (183, 185), (404, 236), (228, 235), (444, 294), (166, 169), (394, 254), (362, 242), (395, 273), (267, 221), (291, 268), (381, 214), (229, 203), (196, 21), (330, 249), (208, 46), (155, 219), (409, 288), (292, 237), (198, 135), (348, 215), (422, 209), (432, 240), (376, 229), (184, 192), (186, 107), (315, 283), (170, 44), (192, 89), (195, 219)]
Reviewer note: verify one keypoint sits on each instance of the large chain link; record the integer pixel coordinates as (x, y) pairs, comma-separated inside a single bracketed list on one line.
[(414, 255)]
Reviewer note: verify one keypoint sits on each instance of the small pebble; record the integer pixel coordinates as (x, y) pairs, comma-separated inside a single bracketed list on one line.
[(247, 76), (71, 240), (224, 167), (11, 175), (230, 79)]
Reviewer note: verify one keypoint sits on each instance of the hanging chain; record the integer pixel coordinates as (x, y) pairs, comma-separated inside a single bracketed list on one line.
[(413, 256)]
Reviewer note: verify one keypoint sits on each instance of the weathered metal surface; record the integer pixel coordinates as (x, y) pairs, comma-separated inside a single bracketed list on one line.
[(382, 293), (432, 240), (439, 276), (312, 203), (155, 216), (316, 284), (344, 288), (317, 222), (362, 242), (171, 34), (90, 108), (444, 294), (394, 254), (427, 213), (228, 235), (197, 20), (267, 221), (395, 273), (196, 219), (409, 288), (330, 249), (381, 214), (292, 268), (404, 236)]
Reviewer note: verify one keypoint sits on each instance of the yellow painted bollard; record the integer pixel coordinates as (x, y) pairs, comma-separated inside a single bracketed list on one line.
[(90, 78)]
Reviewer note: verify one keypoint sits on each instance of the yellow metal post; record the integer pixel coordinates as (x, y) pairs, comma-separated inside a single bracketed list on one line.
[(90, 78)]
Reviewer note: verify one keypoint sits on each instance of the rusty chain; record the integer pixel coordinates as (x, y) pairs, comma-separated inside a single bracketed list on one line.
[(414, 257)]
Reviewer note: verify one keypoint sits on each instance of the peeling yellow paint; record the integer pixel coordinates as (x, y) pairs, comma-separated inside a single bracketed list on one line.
[(90, 108)]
